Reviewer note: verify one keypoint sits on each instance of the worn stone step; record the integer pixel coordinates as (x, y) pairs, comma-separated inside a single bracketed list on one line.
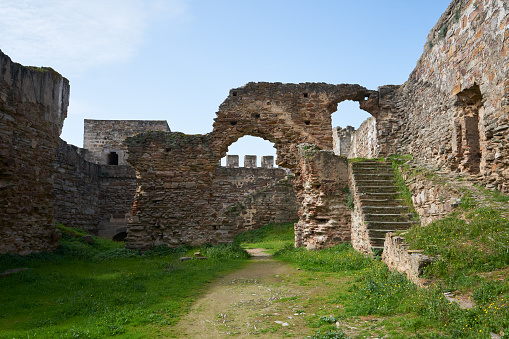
[(381, 202), (374, 182), (385, 209), (393, 225), (377, 189), (379, 233), (372, 169), (388, 217), (378, 195), (377, 242), (366, 163), (369, 176)]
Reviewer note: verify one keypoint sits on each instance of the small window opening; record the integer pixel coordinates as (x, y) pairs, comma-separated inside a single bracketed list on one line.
[(168, 150), (113, 158), (233, 123), (307, 122), (234, 94), (257, 115), (268, 102), (366, 97), (306, 95)]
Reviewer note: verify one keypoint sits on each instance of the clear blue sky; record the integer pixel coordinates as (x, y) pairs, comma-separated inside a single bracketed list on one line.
[(176, 60)]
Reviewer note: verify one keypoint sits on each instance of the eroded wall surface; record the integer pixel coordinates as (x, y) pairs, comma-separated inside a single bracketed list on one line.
[(322, 190), (95, 198), (33, 106), (453, 110), (176, 202), (183, 198)]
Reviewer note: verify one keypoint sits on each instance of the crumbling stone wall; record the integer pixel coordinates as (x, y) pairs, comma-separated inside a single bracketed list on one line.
[(342, 140), (274, 203), (90, 196), (33, 106), (364, 142), (182, 196), (322, 190), (285, 114), (174, 203), (105, 138), (453, 110)]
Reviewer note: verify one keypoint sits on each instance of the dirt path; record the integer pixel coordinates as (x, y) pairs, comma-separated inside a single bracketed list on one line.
[(267, 299)]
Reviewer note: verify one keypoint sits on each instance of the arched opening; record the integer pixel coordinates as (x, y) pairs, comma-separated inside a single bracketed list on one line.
[(120, 236), (113, 158), (247, 147), (345, 121)]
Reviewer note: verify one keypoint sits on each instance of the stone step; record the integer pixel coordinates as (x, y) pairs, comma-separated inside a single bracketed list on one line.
[(388, 217), (381, 202), (378, 195), (377, 242), (389, 225), (368, 163), (377, 189), (370, 176), (374, 182), (379, 233), (372, 170), (385, 209)]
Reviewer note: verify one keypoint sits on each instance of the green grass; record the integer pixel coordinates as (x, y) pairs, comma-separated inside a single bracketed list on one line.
[(102, 290), (271, 237)]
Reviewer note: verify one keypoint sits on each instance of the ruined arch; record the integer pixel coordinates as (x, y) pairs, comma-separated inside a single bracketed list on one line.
[(285, 114), (176, 200)]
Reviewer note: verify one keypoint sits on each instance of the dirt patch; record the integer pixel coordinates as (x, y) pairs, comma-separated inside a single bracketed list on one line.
[(267, 299)]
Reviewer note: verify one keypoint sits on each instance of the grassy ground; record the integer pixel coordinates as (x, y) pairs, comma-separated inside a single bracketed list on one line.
[(102, 290)]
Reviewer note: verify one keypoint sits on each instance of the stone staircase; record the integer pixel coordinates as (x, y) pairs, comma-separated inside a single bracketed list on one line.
[(378, 210)]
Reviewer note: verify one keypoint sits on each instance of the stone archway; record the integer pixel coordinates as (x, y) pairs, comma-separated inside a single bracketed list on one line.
[(175, 202)]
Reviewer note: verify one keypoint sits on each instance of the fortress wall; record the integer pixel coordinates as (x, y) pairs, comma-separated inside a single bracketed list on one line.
[(102, 137), (184, 198), (455, 105), (88, 195), (364, 143), (33, 106)]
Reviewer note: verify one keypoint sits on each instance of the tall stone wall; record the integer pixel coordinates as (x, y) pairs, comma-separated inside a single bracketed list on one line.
[(33, 106), (454, 107), (92, 197), (105, 138)]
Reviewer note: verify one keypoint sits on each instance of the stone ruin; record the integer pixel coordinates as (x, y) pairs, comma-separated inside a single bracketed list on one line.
[(452, 114)]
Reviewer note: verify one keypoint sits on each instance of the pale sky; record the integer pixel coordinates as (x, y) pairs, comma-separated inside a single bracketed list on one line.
[(176, 60)]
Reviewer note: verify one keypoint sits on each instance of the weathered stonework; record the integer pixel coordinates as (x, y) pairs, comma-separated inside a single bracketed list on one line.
[(398, 257), (174, 203), (342, 140), (33, 106), (322, 190), (105, 138), (453, 111), (364, 142)]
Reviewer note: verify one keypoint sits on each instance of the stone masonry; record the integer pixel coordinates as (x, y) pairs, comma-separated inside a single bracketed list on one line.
[(33, 106), (105, 138), (177, 170)]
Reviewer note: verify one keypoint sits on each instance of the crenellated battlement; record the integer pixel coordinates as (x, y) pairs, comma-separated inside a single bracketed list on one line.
[(250, 161)]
